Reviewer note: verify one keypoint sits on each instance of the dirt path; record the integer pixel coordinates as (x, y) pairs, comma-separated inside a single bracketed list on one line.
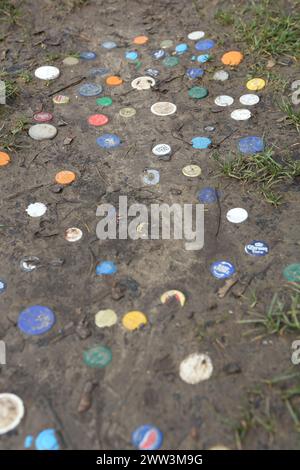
[(141, 385)]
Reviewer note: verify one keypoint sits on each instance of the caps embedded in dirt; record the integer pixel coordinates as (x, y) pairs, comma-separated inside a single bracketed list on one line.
[(257, 248), (47, 72), (42, 131), (11, 412), (147, 437), (36, 320), (222, 269), (196, 368), (134, 320), (47, 440)]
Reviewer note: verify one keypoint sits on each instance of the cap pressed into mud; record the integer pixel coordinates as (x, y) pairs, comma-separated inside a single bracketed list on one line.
[(147, 437), (196, 368), (105, 318), (4, 159), (97, 357), (11, 412), (134, 320)]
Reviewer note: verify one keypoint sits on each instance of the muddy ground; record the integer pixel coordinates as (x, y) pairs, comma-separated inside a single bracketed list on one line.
[(234, 407)]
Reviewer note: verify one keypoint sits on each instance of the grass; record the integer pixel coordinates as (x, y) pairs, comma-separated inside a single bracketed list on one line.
[(224, 18), (267, 30), (261, 172), (283, 314), (252, 418), (9, 12), (8, 139), (292, 117)]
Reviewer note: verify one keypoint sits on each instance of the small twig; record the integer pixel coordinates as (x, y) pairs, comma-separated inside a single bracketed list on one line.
[(79, 80)]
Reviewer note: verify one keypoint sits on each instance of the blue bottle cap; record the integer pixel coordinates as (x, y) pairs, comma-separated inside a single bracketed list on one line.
[(147, 437), (203, 58), (204, 44), (98, 72), (159, 54), (201, 142), (251, 145), (131, 55), (90, 89), (257, 248), (28, 441), (47, 440), (88, 55), (36, 320), (2, 286), (194, 72), (181, 48), (207, 195), (108, 141), (106, 268), (222, 269), (109, 45)]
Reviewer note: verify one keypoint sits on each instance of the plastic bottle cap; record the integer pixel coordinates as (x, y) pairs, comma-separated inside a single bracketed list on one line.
[(47, 440), (97, 357), (151, 177), (113, 80), (104, 101), (4, 159), (36, 320), (105, 318), (237, 215), (70, 61), (108, 141), (147, 437), (196, 35), (192, 171), (201, 142), (42, 117), (196, 368), (256, 84), (65, 177), (163, 108), (222, 269), (224, 100), (171, 61), (221, 75), (127, 112), (251, 144), (47, 72), (173, 294), (88, 55), (106, 268), (204, 44), (61, 99), (73, 234), (140, 40), (11, 412), (241, 114), (90, 89), (133, 320), (36, 209), (166, 43), (249, 99), (232, 58), (143, 83), (42, 131), (198, 92), (98, 120), (161, 150)]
